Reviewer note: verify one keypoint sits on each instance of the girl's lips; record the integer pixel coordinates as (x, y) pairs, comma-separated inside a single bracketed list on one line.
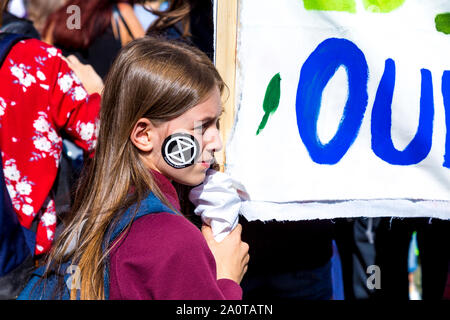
[(205, 164)]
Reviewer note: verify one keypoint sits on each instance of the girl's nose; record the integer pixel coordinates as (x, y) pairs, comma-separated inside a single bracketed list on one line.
[(213, 142)]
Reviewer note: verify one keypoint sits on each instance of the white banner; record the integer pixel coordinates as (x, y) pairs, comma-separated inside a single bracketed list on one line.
[(344, 103), (361, 112)]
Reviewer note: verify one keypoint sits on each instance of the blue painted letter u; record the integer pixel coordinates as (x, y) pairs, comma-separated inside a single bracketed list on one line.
[(420, 145)]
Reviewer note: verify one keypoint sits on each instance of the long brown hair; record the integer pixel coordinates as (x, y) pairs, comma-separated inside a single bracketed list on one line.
[(151, 78)]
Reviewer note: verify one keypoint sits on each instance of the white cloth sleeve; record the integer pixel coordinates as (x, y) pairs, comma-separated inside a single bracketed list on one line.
[(218, 201)]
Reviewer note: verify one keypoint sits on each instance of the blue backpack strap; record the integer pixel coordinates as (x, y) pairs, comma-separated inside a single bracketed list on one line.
[(40, 288), (7, 41), (37, 289), (13, 246), (16, 257), (16, 242), (13, 243), (149, 205)]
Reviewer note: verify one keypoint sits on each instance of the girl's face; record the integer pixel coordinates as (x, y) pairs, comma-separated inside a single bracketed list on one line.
[(201, 122)]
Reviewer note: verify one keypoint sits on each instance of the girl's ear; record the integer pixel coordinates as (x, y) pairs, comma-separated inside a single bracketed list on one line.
[(141, 135)]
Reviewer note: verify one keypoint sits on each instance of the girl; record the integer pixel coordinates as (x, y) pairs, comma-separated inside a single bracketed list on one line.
[(156, 92)]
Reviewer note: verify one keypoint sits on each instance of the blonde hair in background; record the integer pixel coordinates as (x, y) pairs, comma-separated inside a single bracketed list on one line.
[(39, 10)]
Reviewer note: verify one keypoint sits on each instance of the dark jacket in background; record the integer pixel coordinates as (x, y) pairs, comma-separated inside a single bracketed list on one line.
[(13, 24), (201, 25)]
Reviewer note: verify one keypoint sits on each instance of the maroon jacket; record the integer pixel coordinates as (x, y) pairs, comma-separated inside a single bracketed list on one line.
[(165, 257)]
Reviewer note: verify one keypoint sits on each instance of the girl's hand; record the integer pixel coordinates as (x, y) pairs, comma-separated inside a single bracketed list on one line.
[(231, 254), (89, 78)]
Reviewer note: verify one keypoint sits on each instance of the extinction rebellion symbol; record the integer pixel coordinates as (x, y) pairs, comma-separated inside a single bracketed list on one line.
[(180, 150)]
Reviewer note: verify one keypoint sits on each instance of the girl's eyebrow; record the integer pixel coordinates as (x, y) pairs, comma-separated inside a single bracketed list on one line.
[(206, 121), (209, 119)]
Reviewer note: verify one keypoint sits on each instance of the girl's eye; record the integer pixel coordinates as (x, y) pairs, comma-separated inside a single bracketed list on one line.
[(202, 128)]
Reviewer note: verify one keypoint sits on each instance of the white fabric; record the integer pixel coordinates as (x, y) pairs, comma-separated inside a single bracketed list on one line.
[(218, 202), (17, 8), (293, 211), (146, 18)]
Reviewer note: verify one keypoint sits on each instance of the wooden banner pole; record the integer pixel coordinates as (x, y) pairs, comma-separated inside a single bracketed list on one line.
[(225, 61)]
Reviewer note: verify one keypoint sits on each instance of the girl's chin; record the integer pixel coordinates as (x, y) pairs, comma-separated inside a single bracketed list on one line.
[(193, 178)]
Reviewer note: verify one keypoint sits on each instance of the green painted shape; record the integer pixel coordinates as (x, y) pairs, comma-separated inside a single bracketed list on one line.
[(443, 22), (330, 5), (382, 6), (271, 100)]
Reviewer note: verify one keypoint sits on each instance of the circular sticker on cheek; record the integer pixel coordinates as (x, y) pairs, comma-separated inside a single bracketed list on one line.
[(180, 150)]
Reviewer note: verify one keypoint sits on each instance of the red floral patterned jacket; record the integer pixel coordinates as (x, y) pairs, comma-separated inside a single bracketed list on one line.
[(40, 98)]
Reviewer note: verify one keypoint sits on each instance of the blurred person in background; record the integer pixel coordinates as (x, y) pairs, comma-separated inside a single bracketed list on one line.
[(190, 21), (14, 24), (39, 10), (71, 160), (143, 11), (385, 242), (42, 100), (105, 26)]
